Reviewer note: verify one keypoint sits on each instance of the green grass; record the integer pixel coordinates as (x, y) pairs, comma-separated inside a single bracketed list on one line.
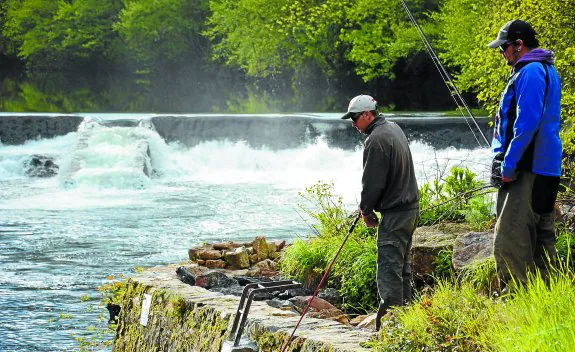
[(455, 316)]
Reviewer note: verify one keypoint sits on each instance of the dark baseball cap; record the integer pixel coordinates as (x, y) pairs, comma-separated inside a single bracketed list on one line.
[(511, 31)]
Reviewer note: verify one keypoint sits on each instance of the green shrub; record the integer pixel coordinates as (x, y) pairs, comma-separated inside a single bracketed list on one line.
[(353, 274), (455, 199), (478, 214)]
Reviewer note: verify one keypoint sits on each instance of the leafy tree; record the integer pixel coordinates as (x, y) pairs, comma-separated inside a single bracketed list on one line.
[(54, 34), (164, 31), (247, 34)]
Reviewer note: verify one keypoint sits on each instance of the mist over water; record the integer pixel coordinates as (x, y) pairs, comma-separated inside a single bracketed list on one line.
[(102, 215)]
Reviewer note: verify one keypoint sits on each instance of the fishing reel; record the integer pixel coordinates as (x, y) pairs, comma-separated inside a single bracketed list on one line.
[(496, 178)]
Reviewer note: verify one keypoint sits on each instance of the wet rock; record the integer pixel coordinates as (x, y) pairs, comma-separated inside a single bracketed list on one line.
[(40, 166), (114, 311), (188, 273), (471, 247), (281, 304), (238, 259), (234, 290), (214, 279)]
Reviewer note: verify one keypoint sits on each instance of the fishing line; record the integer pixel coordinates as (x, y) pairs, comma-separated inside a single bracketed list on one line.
[(455, 94)]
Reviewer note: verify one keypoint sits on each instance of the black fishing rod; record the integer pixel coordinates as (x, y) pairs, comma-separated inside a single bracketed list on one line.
[(455, 94)]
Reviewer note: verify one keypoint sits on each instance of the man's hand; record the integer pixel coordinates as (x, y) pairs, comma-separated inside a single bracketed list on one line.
[(370, 219), (506, 179)]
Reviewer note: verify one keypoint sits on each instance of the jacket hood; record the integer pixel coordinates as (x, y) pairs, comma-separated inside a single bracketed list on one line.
[(538, 55)]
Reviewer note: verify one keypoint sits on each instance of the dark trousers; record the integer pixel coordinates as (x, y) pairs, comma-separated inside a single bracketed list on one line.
[(524, 240), (394, 236)]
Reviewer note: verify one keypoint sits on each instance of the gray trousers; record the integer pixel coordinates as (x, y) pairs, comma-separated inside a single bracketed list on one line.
[(524, 240), (394, 236)]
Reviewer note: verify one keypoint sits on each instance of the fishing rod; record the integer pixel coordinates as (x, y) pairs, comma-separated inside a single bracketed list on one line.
[(322, 280), (455, 94)]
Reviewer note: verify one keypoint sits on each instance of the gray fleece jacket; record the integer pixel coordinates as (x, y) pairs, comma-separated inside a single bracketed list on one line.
[(388, 182)]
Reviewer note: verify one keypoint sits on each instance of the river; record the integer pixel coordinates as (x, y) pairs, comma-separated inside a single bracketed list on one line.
[(137, 195)]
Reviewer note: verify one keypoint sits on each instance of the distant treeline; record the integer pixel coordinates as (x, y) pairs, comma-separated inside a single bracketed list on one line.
[(335, 47)]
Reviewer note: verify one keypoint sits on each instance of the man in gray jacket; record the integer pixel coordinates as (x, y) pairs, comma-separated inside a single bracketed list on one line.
[(390, 188)]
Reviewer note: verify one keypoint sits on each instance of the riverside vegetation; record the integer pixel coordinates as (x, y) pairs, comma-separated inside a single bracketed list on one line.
[(460, 310)]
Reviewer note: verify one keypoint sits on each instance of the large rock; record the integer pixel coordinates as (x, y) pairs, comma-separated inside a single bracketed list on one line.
[(215, 279), (189, 273), (261, 247), (428, 242), (318, 304), (265, 268), (238, 259), (472, 247), (210, 254), (40, 166)]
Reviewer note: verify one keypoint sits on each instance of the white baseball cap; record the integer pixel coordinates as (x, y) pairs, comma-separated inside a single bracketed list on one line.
[(359, 104)]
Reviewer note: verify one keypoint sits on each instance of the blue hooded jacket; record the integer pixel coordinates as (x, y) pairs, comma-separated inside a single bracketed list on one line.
[(528, 119)]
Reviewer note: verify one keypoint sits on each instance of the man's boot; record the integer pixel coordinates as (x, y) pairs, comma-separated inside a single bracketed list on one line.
[(380, 313)]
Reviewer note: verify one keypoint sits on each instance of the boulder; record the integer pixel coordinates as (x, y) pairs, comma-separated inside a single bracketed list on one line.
[(215, 279), (472, 247), (238, 259), (40, 166), (266, 268), (318, 304), (260, 247), (271, 247), (428, 241), (209, 254), (188, 273), (294, 292)]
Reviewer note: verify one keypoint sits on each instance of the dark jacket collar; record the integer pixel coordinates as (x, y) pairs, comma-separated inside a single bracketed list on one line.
[(379, 119)]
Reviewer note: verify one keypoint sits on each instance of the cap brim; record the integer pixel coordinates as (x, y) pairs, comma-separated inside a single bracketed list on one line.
[(497, 43), (349, 115)]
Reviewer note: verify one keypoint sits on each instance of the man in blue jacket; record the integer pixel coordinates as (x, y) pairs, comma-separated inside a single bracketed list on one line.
[(527, 155)]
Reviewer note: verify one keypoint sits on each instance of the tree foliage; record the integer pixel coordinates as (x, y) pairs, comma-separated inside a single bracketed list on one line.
[(159, 31), (52, 34)]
